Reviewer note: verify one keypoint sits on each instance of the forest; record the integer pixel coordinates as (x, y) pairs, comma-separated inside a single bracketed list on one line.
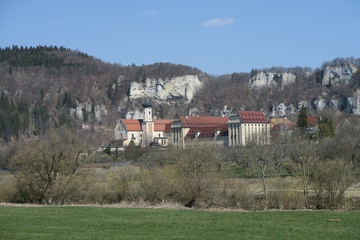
[(52, 82)]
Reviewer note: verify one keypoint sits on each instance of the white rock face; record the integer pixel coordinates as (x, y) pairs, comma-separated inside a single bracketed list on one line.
[(290, 109), (194, 112), (281, 110), (77, 112), (319, 103), (183, 87), (334, 104), (353, 105), (136, 114), (268, 79), (225, 111), (303, 103), (100, 111), (340, 74)]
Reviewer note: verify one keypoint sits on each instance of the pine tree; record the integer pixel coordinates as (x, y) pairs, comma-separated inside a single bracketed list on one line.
[(326, 127), (302, 119)]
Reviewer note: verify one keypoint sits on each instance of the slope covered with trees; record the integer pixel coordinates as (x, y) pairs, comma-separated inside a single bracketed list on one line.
[(42, 84), (49, 86)]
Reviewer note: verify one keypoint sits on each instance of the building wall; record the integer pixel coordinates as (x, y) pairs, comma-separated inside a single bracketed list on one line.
[(162, 138), (135, 136), (178, 134), (119, 131), (241, 134), (148, 132), (258, 133)]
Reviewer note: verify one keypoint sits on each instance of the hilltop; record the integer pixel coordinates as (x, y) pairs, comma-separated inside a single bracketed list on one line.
[(42, 87)]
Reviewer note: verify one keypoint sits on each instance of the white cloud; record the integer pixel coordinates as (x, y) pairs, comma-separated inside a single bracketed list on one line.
[(152, 13), (218, 22)]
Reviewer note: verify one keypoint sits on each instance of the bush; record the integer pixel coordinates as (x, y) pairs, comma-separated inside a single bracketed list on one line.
[(330, 181), (158, 185), (124, 183), (8, 189), (285, 196)]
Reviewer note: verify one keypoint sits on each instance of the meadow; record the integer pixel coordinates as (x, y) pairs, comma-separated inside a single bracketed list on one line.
[(79, 222)]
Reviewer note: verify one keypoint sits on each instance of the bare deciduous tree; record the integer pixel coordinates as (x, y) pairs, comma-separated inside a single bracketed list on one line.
[(265, 160), (331, 179), (46, 167), (195, 166), (303, 153)]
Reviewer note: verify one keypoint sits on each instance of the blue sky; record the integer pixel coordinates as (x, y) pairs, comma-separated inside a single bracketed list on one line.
[(217, 37)]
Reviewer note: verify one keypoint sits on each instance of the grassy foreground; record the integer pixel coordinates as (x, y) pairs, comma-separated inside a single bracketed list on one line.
[(127, 223)]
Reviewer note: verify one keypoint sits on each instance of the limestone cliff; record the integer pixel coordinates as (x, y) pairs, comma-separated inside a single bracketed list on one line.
[(176, 88), (269, 79), (339, 74)]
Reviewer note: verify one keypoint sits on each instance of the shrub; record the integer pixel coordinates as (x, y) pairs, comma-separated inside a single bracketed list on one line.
[(158, 185), (330, 181), (8, 189)]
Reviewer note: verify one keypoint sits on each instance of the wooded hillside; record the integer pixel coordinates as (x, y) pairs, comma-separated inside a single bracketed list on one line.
[(49, 86)]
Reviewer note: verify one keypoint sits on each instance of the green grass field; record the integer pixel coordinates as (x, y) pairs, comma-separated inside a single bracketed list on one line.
[(127, 223)]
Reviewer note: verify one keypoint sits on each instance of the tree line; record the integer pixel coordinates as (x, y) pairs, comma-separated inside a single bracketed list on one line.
[(14, 118), (35, 56), (295, 171)]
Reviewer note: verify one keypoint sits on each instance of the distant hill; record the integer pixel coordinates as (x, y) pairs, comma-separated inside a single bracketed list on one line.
[(42, 87)]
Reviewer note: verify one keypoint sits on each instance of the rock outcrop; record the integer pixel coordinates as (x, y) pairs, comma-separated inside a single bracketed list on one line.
[(338, 75), (268, 79), (100, 111), (135, 114), (353, 103), (334, 104), (176, 88), (282, 110), (194, 112), (319, 104)]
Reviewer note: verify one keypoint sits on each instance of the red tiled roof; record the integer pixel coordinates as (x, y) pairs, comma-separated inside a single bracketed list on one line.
[(163, 125), (207, 132), (312, 121), (203, 121), (253, 117), (132, 124)]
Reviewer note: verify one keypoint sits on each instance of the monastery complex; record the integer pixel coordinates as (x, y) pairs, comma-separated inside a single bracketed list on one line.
[(239, 129)]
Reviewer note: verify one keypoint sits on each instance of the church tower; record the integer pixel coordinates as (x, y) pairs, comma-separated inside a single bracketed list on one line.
[(147, 125), (147, 112)]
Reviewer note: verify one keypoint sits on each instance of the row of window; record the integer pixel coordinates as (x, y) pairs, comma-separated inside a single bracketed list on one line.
[(133, 136), (250, 125)]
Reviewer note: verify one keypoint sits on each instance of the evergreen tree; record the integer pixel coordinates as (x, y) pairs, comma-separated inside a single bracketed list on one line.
[(85, 115), (302, 119), (326, 127), (67, 101)]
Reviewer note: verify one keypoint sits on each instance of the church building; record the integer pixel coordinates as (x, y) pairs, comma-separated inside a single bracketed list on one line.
[(144, 132)]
